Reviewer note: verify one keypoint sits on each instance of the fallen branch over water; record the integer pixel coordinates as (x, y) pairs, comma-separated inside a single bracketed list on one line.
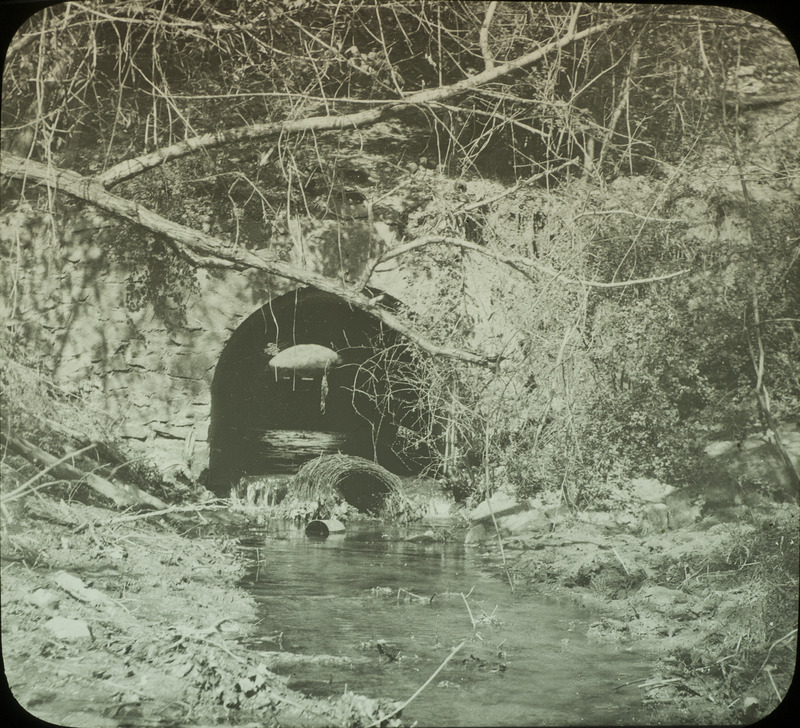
[(207, 251)]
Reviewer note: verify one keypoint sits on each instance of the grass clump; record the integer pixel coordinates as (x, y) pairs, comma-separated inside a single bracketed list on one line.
[(749, 581)]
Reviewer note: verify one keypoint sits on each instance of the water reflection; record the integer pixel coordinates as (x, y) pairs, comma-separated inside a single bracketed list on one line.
[(395, 608)]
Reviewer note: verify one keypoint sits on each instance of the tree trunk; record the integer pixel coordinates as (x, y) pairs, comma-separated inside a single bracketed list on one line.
[(213, 251)]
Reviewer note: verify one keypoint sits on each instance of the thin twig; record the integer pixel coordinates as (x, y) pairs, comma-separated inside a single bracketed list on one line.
[(35, 489), (412, 595), (163, 511), (514, 261), (421, 688), (17, 492), (466, 604), (487, 490), (775, 643), (649, 682), (774, 686), (619, 558), (647, 218)]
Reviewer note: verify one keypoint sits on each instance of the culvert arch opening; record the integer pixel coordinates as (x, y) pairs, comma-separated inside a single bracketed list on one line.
[(361, 483), (289, 386)]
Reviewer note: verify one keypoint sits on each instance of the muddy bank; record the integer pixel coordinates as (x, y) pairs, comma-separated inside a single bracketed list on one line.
[(113, 619), (715, 599)]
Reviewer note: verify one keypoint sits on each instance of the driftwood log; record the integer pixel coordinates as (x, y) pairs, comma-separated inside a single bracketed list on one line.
[(122, 494)]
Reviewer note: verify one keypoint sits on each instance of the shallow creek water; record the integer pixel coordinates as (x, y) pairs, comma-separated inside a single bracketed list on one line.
[(526, 661)]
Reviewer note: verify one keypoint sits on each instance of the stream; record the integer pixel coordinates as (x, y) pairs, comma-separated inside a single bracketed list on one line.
[(526, 660)]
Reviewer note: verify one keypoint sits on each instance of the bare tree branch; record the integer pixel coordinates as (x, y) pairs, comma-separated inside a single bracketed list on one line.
[(488, 58), (131, 167), (514, 261), (212, 250), (624, 100)]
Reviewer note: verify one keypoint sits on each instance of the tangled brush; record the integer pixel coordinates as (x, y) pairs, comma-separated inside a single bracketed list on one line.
[(331, 479)]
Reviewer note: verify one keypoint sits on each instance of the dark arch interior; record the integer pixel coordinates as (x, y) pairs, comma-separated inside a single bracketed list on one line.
[(266, 420), (364, 491)]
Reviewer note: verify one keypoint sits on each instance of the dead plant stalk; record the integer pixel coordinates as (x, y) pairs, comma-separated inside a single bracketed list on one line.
[(421, 688), (20, 491)]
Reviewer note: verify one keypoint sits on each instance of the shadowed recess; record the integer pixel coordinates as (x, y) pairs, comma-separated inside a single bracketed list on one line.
[(288, 387), (329, 479)]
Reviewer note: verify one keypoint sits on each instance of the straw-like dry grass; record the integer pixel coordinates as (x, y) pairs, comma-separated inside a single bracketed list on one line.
[(330, 479)]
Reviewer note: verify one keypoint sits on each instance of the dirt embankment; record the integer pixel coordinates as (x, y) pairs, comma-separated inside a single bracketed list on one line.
[(716, 601), (112, 620)]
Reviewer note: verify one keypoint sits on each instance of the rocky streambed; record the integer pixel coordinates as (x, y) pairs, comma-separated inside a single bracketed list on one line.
[(115, 619), (112, 620)]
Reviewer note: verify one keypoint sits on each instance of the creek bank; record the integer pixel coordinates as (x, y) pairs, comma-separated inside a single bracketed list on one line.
[(115, 620), (713, 591)]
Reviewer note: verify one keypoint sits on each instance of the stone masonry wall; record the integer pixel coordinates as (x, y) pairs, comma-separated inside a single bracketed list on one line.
[(63, 300)]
